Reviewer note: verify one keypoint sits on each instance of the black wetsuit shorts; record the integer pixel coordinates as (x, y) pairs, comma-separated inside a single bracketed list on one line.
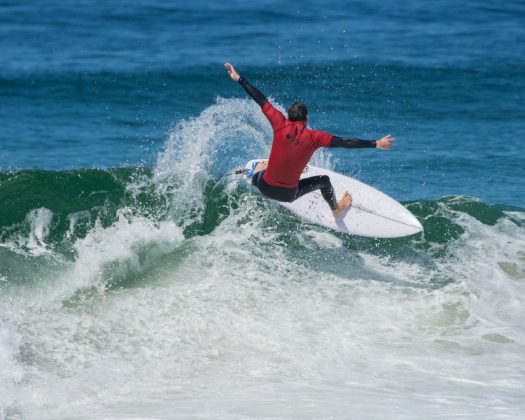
[(305, 186)]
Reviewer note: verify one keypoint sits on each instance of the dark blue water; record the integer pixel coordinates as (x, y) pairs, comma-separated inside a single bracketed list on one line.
[(99, 84)]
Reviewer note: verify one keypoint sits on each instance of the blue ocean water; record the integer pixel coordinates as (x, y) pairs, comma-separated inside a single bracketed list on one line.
[(135, 282)]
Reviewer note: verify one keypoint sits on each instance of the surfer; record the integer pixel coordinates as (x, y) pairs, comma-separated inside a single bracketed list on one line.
[(293, 146)]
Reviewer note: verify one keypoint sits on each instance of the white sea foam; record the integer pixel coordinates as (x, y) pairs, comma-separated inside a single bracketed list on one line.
[(33, 243), (197, 145), (74, 219), (130, 245), (238, 329), (10, 372)]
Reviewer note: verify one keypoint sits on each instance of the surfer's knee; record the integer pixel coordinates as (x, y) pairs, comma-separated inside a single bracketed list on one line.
[(324, 180), (325, 184), (255, 178)]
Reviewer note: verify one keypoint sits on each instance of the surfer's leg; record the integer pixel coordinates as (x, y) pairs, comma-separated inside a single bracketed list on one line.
[(320, 182), (275, 193)]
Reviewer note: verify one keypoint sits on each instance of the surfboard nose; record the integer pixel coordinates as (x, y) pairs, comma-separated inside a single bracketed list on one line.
[(412, 220)]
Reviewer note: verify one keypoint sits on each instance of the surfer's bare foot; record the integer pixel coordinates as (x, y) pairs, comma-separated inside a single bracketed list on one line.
[(343, 205), (261, 166)]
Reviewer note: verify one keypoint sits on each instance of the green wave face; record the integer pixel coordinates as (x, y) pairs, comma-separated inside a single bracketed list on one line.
[(46, 213)]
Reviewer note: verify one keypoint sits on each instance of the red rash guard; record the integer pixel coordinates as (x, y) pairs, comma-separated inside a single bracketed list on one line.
[(293, 146)]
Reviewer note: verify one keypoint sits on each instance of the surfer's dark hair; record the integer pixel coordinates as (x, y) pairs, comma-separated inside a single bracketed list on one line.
[(297, 112)]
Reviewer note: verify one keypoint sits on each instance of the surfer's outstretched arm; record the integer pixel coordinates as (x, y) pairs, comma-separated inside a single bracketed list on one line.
[(353, 143), (256, 94)]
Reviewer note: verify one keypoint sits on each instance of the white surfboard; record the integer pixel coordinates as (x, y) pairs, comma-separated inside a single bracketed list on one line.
[(373, 213)]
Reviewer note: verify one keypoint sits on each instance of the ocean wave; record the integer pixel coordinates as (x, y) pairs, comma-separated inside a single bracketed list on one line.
[(76, 204), (48, 215), (128, 285)]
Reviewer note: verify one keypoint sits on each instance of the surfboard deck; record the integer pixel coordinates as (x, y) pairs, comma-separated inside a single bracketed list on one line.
[(372, 214)]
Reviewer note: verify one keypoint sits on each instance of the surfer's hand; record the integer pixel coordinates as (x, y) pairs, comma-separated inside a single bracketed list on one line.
[(386, 142), (231, 71)]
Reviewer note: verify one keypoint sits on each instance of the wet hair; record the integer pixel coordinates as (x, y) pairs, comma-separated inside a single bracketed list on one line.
[(297, 112)]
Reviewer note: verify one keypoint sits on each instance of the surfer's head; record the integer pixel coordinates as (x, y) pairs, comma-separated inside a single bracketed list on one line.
[(298, 112)]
